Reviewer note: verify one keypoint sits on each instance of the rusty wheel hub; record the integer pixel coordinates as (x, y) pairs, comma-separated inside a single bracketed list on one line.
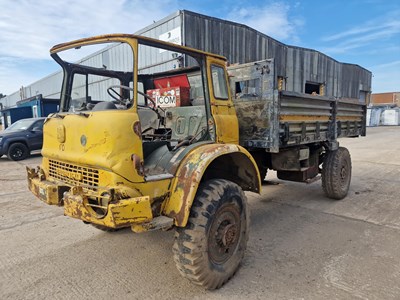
[(343, 173), (224, 233), (229, 235)]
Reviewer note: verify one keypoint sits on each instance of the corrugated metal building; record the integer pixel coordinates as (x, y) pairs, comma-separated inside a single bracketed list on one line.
[(298, 69)]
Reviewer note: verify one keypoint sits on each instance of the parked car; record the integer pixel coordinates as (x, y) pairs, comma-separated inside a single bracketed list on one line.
[(22, 137)]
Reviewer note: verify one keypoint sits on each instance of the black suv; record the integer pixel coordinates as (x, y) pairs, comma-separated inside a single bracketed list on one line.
[(22, 137)]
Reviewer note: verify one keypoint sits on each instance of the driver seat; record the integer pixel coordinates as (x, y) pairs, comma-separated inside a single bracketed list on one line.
[(148, 120)]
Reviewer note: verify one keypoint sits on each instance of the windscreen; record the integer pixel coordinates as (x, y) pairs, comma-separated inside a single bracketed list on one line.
[(107, 56), (98, 77)]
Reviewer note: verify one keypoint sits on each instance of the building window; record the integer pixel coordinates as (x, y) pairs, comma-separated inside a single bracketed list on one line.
[(315, 88)]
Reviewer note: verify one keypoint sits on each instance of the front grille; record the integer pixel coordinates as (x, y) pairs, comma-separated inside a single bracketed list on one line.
[(74, 175)]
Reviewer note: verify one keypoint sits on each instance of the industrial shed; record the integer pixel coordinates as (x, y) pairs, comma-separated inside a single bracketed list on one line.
[(297, 69), (32, 107)]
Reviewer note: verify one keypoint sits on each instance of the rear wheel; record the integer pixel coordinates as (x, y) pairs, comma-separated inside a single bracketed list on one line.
[(336, 173), (209, 249), (18, 151)]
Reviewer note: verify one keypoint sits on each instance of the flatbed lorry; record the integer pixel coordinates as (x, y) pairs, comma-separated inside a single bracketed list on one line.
[(160, 145)]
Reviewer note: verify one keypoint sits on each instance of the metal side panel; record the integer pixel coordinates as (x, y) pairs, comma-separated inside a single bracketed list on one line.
[(254, 96), (308, 119), (351, 119), (305, 119)]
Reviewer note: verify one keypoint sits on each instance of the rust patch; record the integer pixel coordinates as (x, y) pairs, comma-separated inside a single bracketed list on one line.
[(136, 129), (138, 164), (254, 120), (190, 175)]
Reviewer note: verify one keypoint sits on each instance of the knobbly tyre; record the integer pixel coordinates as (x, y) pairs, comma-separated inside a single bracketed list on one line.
[(117, 154)]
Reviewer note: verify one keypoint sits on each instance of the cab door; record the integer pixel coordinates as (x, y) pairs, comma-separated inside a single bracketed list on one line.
[(222, 109)]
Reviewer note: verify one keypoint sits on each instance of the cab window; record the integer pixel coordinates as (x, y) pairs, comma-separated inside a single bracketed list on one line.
[(219, 82)]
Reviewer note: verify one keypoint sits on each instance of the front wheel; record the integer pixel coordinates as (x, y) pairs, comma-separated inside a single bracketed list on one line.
[(209, 249), (336, 173)]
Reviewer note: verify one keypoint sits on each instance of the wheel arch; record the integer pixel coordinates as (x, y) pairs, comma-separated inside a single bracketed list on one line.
[(13, 141), (210, 161)]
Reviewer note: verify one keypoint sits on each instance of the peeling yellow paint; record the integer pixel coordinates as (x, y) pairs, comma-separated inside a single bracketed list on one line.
[(189, 174)]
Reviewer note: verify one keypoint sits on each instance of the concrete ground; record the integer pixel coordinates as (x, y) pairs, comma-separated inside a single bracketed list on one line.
[(302, 245)]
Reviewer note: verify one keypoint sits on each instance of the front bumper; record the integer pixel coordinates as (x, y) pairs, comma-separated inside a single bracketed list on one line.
[(121, 213)]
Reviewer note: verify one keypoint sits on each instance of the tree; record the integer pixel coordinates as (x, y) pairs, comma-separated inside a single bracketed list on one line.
[(2, 96)]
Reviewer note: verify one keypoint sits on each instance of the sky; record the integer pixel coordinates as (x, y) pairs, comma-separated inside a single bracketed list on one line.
[(363, 32)]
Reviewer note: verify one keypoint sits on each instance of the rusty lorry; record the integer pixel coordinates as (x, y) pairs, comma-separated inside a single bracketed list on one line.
[(173, 145)]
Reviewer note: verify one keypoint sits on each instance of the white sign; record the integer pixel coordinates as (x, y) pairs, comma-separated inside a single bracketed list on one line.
[(172, 36), (166, 101)]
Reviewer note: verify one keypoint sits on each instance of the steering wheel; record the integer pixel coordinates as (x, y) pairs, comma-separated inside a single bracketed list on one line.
[(118, 97)]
